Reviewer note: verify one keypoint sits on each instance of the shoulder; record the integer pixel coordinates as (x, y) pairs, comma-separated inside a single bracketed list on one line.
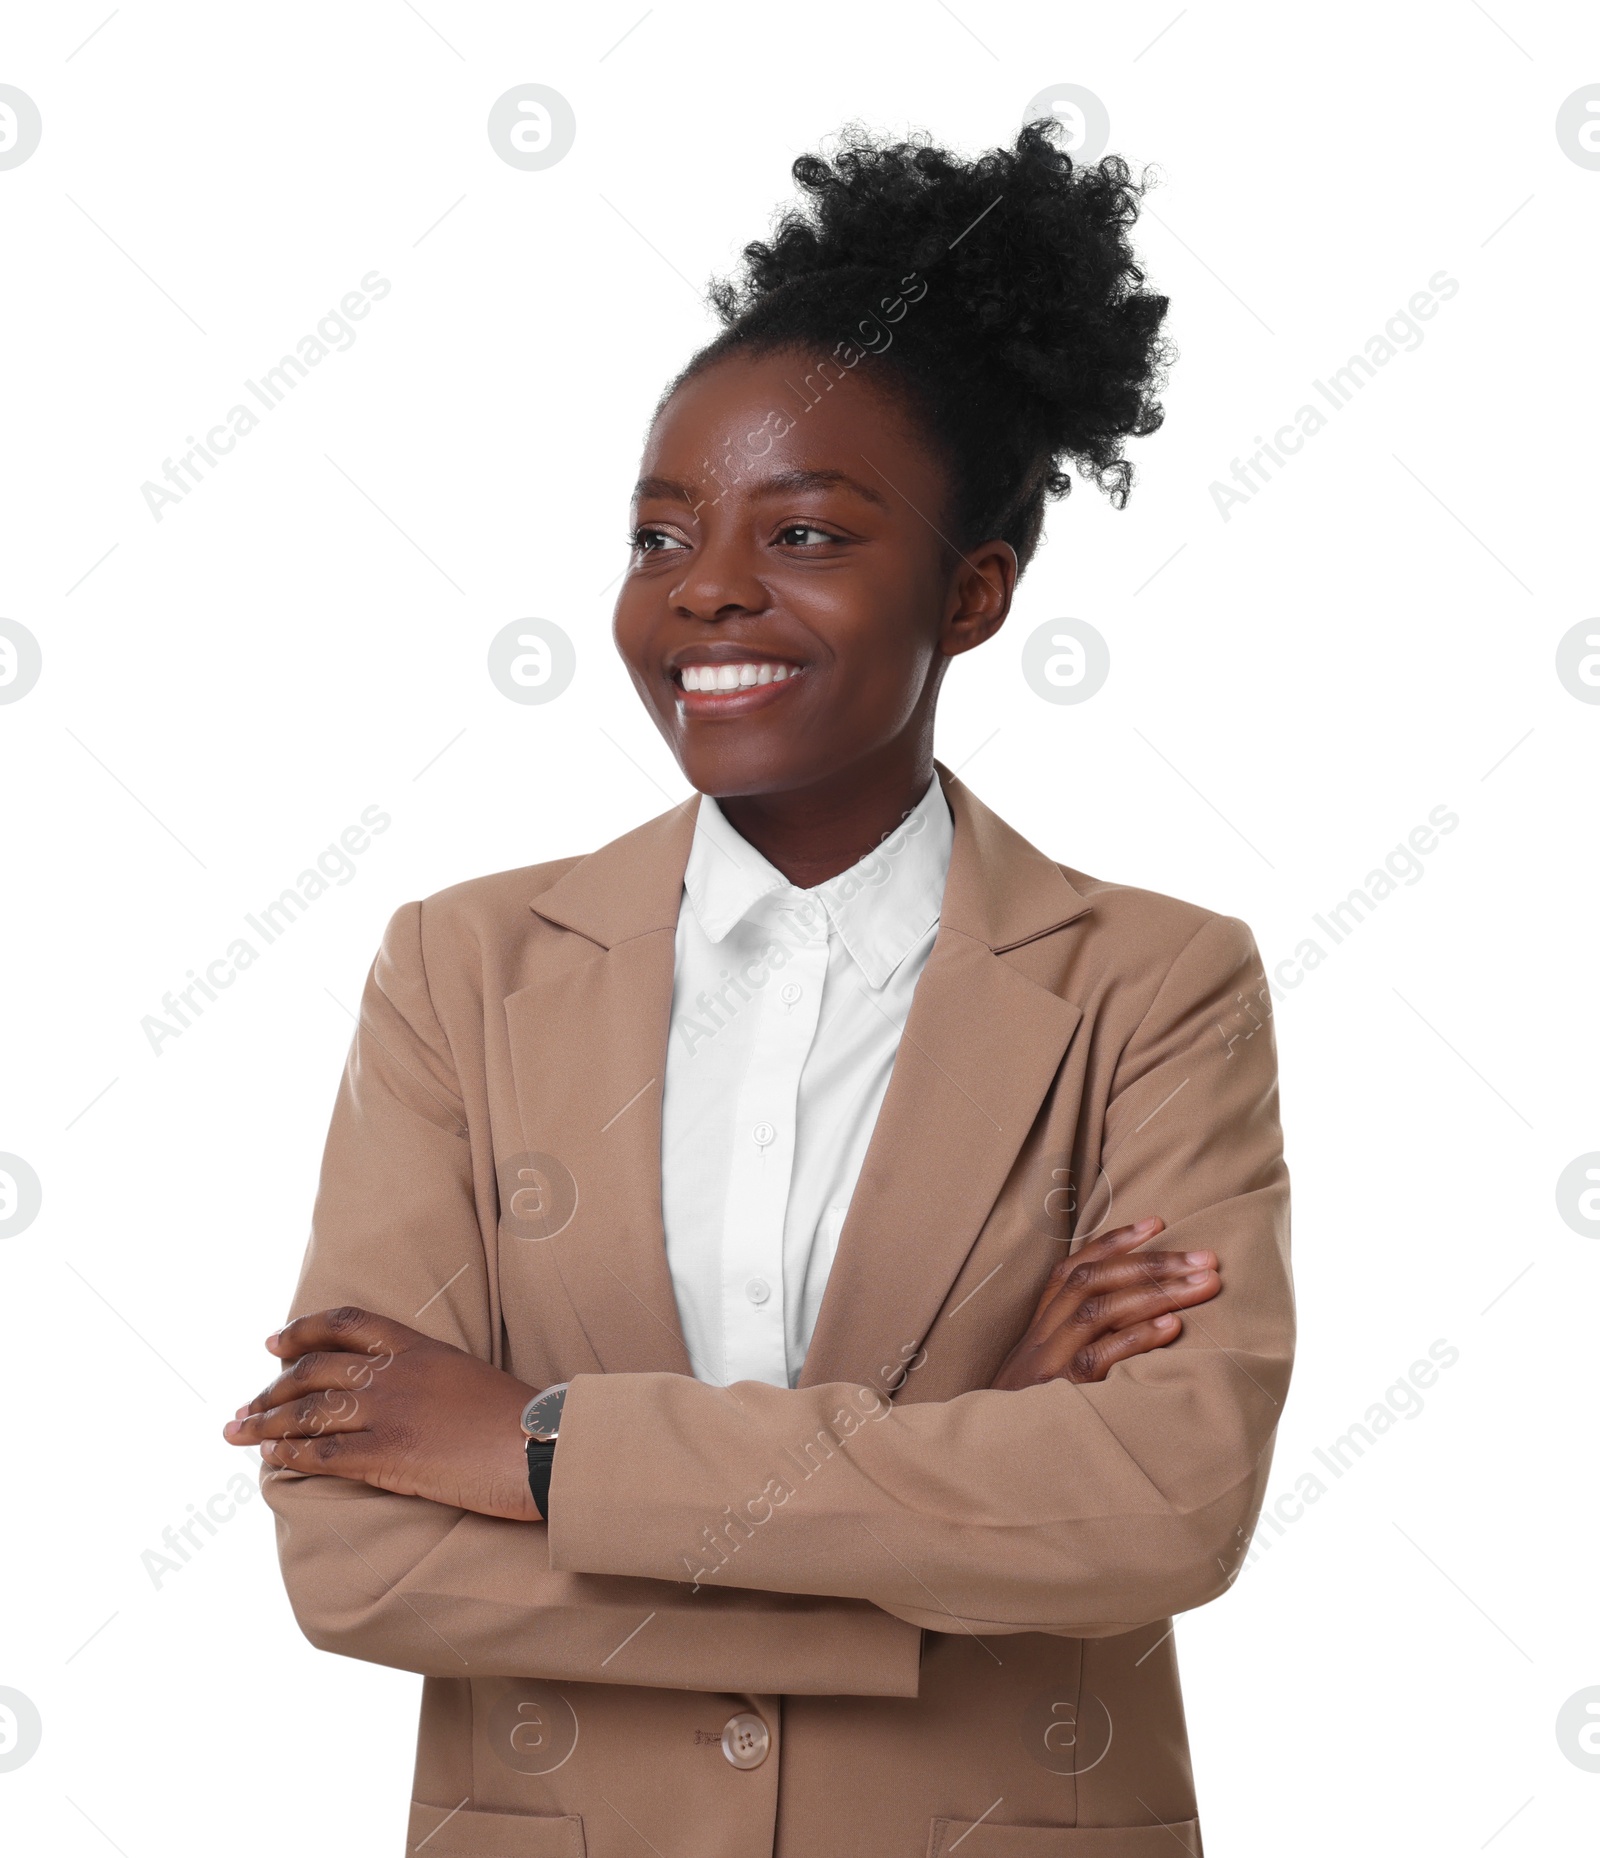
[(492, 906), (1047, 916), (481, 940), (1149, 928), (1149, 968), (473, 936), (1134, 957)]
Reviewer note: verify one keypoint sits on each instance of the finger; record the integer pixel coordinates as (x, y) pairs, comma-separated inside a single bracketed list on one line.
[(1120, 1239), (1108, 1274), (335, 1454), (1106, 1245), (1122, 1308), (346, 1328), (1085, 1288), (1096, 1361), (1099, 1318), (313, 1372), (309, 1417)]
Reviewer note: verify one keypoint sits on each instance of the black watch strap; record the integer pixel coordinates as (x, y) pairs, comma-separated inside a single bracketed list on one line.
[(541, 1456)]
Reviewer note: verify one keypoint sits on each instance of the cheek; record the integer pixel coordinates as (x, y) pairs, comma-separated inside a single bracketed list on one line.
[(882, 703), (884, 677)]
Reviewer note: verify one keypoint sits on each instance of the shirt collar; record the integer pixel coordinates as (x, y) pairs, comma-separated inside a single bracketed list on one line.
[(881, 907)]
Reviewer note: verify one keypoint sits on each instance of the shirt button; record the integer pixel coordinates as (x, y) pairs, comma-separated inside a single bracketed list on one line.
[(758, 1290), (762, 1134), (745, 1741), (791, 992)]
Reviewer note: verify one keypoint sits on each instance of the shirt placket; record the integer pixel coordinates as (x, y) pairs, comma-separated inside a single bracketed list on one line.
[(786, 1006)]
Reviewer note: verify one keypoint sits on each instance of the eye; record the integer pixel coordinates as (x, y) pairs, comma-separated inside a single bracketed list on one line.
[(647, 541), (804, 530)]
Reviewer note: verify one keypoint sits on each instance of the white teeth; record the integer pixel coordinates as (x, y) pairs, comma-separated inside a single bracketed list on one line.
[(734, 676)]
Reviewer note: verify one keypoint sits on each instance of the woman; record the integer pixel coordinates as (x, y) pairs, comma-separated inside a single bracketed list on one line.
[(715, 1362)]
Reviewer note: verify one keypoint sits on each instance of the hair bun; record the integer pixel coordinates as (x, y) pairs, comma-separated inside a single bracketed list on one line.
[(1035, 342)]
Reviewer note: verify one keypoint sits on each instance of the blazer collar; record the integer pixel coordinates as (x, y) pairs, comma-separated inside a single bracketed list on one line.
[(879, 909), (1001, 890)]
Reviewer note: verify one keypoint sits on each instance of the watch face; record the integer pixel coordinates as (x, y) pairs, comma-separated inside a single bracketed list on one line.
[(541, 1417)]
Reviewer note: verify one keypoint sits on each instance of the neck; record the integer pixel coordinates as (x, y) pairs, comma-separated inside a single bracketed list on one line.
[(813, 833)]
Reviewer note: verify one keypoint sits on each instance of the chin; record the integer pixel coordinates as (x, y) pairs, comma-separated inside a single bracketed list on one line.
[(730, 774)]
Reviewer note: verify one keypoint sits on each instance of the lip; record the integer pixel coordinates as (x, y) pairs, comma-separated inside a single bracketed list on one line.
[(727, 703)]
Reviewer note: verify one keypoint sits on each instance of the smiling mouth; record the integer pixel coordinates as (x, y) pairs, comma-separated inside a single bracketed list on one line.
[(722, 678)]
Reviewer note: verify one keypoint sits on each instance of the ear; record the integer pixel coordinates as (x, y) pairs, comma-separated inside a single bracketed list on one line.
[(982, 582)]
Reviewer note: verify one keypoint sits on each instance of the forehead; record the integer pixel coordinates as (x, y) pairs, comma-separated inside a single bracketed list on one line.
[(795, 409)]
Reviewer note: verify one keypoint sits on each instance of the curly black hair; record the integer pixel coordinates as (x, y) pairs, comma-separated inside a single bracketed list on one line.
[(1032, 341)]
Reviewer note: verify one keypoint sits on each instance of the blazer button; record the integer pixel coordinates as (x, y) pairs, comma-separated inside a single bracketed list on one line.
[(745, 1741)]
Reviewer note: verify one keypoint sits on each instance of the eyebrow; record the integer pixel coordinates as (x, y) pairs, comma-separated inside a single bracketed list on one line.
[(781, 483)]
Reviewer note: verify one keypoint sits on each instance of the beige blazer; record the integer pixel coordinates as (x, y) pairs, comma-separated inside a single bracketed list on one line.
[(889, 1613)]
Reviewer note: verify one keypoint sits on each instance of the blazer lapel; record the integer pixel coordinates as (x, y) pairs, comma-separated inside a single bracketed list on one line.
[(978, 1054), (979, 1051), (588, 1044)]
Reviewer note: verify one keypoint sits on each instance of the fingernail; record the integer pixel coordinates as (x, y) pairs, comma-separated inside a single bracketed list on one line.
[(241, 1412), (1166, 1322), (231, 1430), (272, 1339), (1147, 1225), (1197, 1258), (1197, 1277)]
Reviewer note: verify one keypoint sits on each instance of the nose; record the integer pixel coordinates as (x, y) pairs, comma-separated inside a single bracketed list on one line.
[(720, 581)]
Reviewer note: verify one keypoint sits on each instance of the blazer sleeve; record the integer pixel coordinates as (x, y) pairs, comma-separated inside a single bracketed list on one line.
[(1081, 1510), (407, 1582)]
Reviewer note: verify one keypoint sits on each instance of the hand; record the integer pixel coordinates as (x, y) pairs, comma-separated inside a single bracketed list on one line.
[(369, 1399), (1100, 1306)]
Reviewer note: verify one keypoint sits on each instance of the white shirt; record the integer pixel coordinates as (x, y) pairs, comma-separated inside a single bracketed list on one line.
[(787, 1007)]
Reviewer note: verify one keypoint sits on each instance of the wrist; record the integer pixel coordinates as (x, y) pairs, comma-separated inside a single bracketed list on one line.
[(541, 1429)]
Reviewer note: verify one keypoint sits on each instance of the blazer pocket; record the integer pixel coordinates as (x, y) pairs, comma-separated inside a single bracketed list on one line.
[(466, 1834), (981, 1839)]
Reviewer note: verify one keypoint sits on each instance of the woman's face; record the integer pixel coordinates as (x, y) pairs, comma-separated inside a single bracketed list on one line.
[(789, 607)]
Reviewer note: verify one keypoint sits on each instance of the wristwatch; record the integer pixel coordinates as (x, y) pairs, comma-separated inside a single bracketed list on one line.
[(541, 1425)]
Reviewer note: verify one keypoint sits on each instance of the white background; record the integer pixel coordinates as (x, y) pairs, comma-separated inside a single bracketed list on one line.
[(1297, 686)]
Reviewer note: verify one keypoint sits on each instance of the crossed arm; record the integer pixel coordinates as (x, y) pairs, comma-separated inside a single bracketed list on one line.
[(1063, 1499), (375, 1401)]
